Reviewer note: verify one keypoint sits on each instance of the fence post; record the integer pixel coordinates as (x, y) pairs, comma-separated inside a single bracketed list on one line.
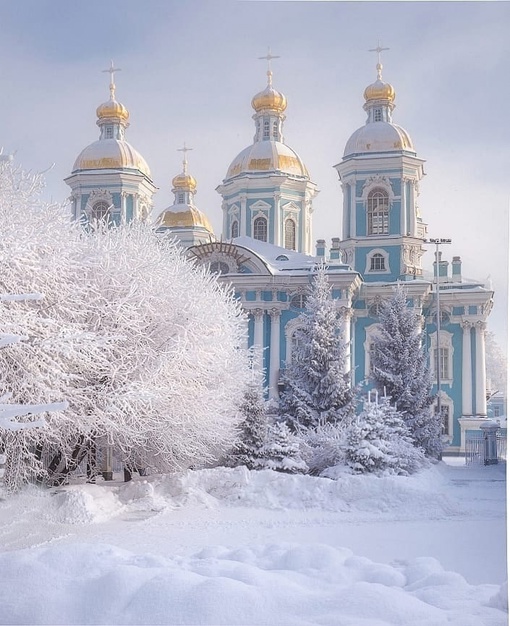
[(490, 448)]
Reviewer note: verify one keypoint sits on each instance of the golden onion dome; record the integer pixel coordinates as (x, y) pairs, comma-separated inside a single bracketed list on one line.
[(269, 99), (112, 110), (191, 217), (184, 182), (379, 90), (111, 154)]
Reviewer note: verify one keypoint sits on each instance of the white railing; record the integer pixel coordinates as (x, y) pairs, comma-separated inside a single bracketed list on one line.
[(475, 446)]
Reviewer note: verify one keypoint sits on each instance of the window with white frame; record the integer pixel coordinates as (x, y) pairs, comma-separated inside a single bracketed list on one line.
[(260, 229), (378, 206), (275, 130), (497, 410), (444, 363), (109, 132), (445, 419), (234, 230), (180, 198), (100, 211), (290, 234), (266, 129), (377, 115), (445, 355), (377, 263), (298, 301)]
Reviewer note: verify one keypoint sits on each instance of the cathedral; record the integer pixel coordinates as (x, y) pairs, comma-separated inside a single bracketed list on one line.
[(265, 250)]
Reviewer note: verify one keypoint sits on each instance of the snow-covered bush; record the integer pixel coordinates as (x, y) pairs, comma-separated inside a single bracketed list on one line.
[(316, 389), (144, 346), (325, 448), (400, 370), (378, 441), (282, 450)]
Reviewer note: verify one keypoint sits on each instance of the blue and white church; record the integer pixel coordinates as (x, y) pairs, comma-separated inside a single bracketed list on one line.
[(267, 253)]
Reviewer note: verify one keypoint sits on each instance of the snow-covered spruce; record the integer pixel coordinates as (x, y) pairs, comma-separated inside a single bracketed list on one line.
[(282, 450), (249, 449), (144, 346), (317, 391), (378, 441), (399, 370)]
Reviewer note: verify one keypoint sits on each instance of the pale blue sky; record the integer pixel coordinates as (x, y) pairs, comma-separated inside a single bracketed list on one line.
[(190, 69)]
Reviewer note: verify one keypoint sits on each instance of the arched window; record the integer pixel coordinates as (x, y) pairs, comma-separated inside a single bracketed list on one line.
[(219, 267), (260, 229), (298, 301), (290, 234), (234, 230), (377, 263), (378, 203), (100, 211)]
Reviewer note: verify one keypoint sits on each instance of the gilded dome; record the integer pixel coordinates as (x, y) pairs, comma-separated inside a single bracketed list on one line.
[(378, 137), (379, 91), (110, 154), (267, 156), (185, 182), (190, 217), (269, 99), (112, 110)]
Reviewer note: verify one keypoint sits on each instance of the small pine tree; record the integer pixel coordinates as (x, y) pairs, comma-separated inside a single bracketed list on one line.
[(282, 452), (400, 371), (317, 391), (379, 441), (249, 450)]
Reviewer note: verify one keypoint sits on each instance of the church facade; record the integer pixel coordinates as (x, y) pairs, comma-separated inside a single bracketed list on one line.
[(266, 250)]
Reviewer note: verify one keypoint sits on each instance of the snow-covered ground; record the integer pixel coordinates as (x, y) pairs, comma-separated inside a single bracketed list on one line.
[(229, 546)]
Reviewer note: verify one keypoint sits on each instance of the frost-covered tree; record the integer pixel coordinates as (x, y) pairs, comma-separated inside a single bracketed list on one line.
[(496, 364), (282, 451), (399, 369), (378, 441), (316, 389), (249, 449), (144, 346)]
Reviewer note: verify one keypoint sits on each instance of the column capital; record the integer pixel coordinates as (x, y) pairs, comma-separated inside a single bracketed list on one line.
[(274, 313), (466, 325), (480, 326), (258, 313)]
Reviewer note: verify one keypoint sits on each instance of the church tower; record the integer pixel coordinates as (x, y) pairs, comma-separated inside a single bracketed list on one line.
[(110, 180), (267, 192), (380, 174), (182, 219)]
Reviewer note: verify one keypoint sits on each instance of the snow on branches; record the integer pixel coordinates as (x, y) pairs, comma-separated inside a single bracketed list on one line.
[(399, 369), (317, 391), (144, 346)]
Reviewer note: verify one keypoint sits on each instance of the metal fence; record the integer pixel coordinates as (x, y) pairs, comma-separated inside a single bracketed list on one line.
[(476, 449)]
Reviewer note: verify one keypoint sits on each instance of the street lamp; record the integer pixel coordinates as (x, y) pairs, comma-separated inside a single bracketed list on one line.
[(437, 242)]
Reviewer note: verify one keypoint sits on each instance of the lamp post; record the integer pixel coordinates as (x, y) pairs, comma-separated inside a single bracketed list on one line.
[(437, 242)]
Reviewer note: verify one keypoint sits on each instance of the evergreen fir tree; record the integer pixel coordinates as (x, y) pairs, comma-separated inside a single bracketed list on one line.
[(317, 391), (249, 450), (378, 441), (282, 452), (400, 371)]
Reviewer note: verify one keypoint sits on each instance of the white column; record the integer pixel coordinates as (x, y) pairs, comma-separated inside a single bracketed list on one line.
[(274, 355), (277, 228), (123, 196), (353, 210), (243, 217), (403, 206), (412, 227), (346, 329), (467, 387), (481, 402), (258, 333)]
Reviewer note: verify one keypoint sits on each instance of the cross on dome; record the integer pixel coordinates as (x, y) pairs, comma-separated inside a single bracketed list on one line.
[(184, 149), (269, 57), (111, 70), (379, 66)]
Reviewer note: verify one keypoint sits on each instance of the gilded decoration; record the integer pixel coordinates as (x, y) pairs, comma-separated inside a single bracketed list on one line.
[(259, 164)]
